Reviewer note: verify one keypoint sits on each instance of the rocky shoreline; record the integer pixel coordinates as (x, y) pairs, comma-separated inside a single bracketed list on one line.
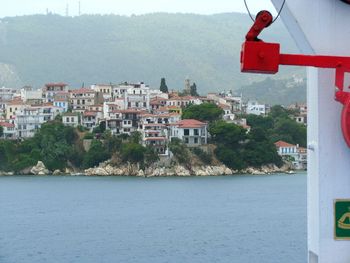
[(106, 169)]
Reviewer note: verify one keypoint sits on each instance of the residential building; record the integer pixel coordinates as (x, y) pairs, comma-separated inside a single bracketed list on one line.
[(191, 132), (82, 98), (29, 119), (91, 119), (12, 107), (71, 119), (156, 136), (6, 94), (104, 89), (253, 107), (51, 89), (293, 153), (31, 96), (9, 131), (137, 96)]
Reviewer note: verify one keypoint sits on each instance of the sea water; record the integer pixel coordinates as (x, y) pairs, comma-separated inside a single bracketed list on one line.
[(153, 220)]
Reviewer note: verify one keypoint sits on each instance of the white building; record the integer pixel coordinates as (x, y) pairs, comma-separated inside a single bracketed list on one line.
[(6, 94), (51, 89), (253, 107), (82, 98), (70, 119), (31, 96), (137, 96), (9, 130), (29, 119), (191, 132)]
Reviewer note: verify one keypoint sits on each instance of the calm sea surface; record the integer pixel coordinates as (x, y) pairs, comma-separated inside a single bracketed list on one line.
[(178, 220)]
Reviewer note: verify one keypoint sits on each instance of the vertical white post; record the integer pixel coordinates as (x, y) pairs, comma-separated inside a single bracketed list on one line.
[(322, 27)]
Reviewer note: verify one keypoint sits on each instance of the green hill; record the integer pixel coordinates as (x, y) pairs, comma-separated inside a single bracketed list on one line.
[(110, 48)]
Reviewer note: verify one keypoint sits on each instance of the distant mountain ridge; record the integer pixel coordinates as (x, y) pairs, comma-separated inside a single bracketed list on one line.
[(110, 48)]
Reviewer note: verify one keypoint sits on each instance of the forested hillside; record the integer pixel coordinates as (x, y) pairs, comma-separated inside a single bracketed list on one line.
[(94, 49)]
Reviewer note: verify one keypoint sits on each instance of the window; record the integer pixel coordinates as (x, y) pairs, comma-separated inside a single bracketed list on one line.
[(67, 119), (186, 132), (196, 140), (186, 140), (72, 119), (196, 132)]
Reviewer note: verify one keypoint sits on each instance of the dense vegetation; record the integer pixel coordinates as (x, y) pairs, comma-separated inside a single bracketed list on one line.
[(204, 112), (238, 149), (279, 126), (59, 146), (94, 49)]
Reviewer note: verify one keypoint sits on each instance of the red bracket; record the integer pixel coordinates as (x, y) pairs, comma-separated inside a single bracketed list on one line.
[(260, 57)]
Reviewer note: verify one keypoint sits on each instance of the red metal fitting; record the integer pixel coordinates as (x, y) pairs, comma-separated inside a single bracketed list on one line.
[(260, 57)]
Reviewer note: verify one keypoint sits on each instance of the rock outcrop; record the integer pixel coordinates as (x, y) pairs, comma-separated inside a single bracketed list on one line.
[(39, 169), (105, 169)]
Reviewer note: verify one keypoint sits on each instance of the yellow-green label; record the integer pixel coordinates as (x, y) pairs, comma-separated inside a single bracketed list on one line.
[(342, 219)]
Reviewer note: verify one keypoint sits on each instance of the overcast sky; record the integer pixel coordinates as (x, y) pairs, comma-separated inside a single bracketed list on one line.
[(128, 7)]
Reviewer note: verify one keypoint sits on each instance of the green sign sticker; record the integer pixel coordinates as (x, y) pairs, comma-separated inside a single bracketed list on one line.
[(342, 219)]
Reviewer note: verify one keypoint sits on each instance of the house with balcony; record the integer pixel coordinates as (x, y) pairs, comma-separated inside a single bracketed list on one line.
[(12, 107), (192, 132), (104, 89), (30, 119), (51, 89), (156, 136), (9, 130), (253, 107), (91, 119), (82, 98), (293, 153)]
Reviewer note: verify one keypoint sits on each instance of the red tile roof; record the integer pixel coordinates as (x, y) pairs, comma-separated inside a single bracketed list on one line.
[(155, 139), (59, 84), (284, 144), (7, 125), (190, 123), (82, 90)]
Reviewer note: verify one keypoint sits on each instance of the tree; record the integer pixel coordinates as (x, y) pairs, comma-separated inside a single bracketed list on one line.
[(228, 134), (133, 152), (203, 112), (193, 90), (96, 154), (163, 86)]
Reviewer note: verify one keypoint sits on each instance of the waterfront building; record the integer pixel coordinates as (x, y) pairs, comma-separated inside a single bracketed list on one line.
[(9, 131), (31, 96), (191, 132)]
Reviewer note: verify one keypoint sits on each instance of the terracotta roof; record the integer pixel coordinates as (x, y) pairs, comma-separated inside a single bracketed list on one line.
[(91, 113), (224, 106), (59, 84), (70, 114), (61, 99), (302, 150), (83, 90), (284, 144), (7, 125), (16, 102), (154, 125), (155, 139), (190, 123)]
